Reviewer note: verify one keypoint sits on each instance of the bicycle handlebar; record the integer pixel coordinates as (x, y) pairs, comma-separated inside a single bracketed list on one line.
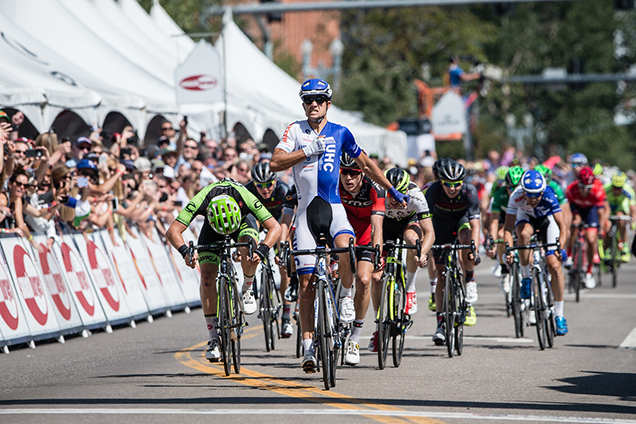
[(220, 247), (393, 245), (453, 246), (620, 218), (532, 246)]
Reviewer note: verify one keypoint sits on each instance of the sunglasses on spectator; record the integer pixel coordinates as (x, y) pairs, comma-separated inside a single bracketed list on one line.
[(190, 147), (19, 152), (532, 195), (453, 184), (318, 99), (42, 186), (264, 185), (19, 184), (166, 128), (350, 172)]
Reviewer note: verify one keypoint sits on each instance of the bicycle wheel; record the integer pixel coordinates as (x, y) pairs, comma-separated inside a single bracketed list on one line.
[(515, 285), (225, 324), (614, 259), (266, 311), (549, 311), (449, 313), (577, 265), (299, 336), (402, 321), (322, 336), (460, 318), (538, 307), (237, 328), (333, 342), (384, 320)]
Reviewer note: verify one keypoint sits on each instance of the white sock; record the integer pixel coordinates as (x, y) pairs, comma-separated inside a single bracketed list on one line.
[(356, 330), (345, 292), (558, 308), (307, 344), (433, 285), (410, 281), (525, 271), (247, 282), (212, 323)]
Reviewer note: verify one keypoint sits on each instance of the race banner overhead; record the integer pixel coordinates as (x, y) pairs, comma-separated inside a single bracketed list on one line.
[(199, 79)]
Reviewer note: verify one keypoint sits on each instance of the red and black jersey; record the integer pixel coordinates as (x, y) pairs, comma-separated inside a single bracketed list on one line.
[(368, 201)]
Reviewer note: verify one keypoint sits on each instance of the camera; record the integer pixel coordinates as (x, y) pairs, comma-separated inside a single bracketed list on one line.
[(33, 153)]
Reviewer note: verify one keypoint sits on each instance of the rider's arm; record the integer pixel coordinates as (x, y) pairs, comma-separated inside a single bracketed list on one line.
[(376, 230), (282, 160), (273, 231), (474, 230), (559, 218), (174, 234), (372, 171), (509, 227), (494, 224), (426, 224)]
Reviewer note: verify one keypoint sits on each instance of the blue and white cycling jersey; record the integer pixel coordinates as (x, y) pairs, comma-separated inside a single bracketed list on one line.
[(318, 175), (548, 205)]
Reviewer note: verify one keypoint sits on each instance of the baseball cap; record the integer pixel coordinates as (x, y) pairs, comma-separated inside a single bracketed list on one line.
[(130, 166), (163, 140), (142, 164), (4, 116), (83, 140)]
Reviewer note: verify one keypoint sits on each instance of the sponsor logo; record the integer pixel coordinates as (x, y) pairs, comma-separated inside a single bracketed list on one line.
[(199, 83), (329, 157)]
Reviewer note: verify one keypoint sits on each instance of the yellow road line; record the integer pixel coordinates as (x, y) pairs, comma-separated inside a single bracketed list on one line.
[(292, 389)]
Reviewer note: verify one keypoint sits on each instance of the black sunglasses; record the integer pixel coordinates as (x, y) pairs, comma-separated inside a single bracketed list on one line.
[(166, 128), (350, 172), (318, 99)]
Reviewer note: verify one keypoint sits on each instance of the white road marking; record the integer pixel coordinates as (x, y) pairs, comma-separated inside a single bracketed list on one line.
[(630, 340), (314, 411), (478, 339)]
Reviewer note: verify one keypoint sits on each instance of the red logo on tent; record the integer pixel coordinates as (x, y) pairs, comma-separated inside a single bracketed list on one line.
[(30, 285), (79, 283), (8, 302), (199, 83), (55, 284), (103, 275)]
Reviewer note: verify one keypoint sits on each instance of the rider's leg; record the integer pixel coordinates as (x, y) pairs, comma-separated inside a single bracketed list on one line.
[(591, 237), (362, 297), (207, 291), (558, 280), (576, 221), (306, 296), (463, 236), (346, 306), (524, 232)]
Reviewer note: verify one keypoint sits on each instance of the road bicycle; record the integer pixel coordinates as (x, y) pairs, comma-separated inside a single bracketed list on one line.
[(542, 297), (507, 294), (579, 262), (270, 305), (612, 256), (393, 321), (229, 303), (454, 305)]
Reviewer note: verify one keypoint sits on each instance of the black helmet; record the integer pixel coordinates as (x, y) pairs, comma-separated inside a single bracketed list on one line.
[(399, 179), (438, 164), (261, 173), (347, 161), (452, 171)]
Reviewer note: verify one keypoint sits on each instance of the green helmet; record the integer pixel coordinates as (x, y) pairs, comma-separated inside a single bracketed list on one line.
[(514, 176), (224, 214), (501, 173), (398, 178), (618, 180), (545, 171)]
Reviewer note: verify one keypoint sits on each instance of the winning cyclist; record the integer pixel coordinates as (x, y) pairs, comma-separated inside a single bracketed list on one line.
[(312, 148), (455, 209), (588, 202), (230, 210), (534, 207), (621, 202), (272, 194), (364, 202)]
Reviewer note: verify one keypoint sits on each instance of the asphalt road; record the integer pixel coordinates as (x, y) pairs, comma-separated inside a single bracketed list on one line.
[(157, 373)]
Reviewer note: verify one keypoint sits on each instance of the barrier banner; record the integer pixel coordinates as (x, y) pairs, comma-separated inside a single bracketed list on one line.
[(103, 277), (13, 324), (188, 277), (163, 267), (150, 283), (127, 274), (68, 317), (83, 292), (30, 289)]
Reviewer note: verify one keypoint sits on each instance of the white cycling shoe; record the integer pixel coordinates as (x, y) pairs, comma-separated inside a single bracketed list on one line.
[(471, 292), (213, 353), (347, 309), (249, 302), (352, 356)]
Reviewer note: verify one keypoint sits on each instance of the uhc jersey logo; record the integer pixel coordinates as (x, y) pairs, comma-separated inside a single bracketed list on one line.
[(329, 157)]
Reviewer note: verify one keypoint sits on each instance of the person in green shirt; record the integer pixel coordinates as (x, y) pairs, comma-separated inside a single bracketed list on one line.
[(498, 209), (622, 201), (232, 210)]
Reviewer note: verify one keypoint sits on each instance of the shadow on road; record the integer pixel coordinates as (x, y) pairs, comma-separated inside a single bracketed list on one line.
[(620, 385)]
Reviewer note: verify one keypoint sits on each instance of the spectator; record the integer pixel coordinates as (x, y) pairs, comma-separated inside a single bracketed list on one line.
[(457, 75)]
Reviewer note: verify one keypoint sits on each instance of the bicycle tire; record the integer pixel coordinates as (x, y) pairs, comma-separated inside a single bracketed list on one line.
[(322, 336), (577, 264), (515, 285), (225, 325), (331, 323), (549, 311), (401, 322), (460, 318), (266, 311), (384, 320), (537, 303), (449, 313), (237, 326), (614, 260)]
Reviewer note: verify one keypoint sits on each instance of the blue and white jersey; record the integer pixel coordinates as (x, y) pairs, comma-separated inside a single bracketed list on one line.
[(548, 205), (318, 175)]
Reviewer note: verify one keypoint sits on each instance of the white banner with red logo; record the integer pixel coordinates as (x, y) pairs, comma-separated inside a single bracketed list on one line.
[(199, 79), (30, 289), (103, 277), (66, 312), (164, 269), (127, 274), (188, 277), (13, 323)]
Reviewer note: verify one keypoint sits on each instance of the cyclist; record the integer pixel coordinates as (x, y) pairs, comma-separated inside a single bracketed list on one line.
[(455, 210), (320, 212), (621, 202), (534, 207), (498, 208), (272, 193), (577, 161), (230, 210), (412, 223), (363, 201), (589, 205)]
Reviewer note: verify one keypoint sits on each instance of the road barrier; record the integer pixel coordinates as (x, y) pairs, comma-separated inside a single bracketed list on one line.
[(86, 282)]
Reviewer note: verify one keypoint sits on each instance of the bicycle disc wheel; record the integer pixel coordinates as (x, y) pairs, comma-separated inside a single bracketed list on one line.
[(460, 318), (266, 312), (384, 321), (225, 325), (515, 285), (537, 300), (237, 327), (449, 313), (402, 322), (322, 336)]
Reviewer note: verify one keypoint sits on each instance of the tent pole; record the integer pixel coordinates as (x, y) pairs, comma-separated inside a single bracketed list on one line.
[(226, 18)]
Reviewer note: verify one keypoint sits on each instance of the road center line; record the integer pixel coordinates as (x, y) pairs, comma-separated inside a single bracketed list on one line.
[(630, 340)]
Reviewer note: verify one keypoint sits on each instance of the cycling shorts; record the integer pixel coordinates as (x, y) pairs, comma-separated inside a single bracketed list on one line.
[(393, 229), (546, 227), (321, 218), (623, 206), (445, 232), (249, 227), (588, 215)]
